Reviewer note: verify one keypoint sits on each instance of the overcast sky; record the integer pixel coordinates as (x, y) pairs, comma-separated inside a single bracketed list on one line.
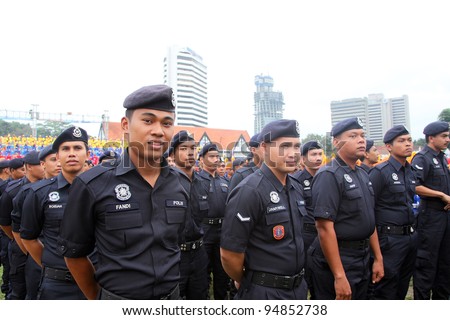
[(87, 56)]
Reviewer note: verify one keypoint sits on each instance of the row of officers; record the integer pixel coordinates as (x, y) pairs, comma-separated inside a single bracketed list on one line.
[(136, 228)]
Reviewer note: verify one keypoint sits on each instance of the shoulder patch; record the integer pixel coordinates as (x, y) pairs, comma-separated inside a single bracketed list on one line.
[(41, 184), (94, 172)]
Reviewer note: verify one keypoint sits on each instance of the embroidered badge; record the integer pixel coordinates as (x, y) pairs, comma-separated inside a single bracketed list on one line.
[(418, 168), (394, 176), (274, 197), (53, 196), (435, 161), (76, 132), (360, 122), (278, 232), (122, 192), (297, 127), (173, 100), (348, 178), (306, 183), (242, 218)]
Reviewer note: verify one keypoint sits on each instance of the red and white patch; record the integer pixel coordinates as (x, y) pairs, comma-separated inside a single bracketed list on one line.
[(278, 232)]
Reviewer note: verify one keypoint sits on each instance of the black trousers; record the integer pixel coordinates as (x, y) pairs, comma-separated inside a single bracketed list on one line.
[(193, 274)]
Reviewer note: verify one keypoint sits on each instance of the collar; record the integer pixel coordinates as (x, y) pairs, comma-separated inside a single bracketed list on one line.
[(341, 163), (206, 174), (62, 182), (273, 180), (432, 151)]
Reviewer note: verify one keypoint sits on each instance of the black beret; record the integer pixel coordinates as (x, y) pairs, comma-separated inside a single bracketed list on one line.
[(16, 163), (157, 97), (394, 132), (4, 164), (310, 145), (369, 144), (179, 138), (280, 128), (435, 128), (108, 154), (45, 152), (347, 124), (238, 162), (206, 148), (255, 141), (32, 158), (70, 134)]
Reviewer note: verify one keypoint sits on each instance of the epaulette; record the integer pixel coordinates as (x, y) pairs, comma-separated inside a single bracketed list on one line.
[(381, 165), (14, 184), (94, 172), (42, 183), (243, 169)]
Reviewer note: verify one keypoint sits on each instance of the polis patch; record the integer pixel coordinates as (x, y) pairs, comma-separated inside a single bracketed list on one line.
[(278, 232)]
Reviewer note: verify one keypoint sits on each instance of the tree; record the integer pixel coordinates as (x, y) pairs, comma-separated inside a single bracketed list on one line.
[(324, 141), (419, 143), (14, 128), (51, 128), (444, 115)]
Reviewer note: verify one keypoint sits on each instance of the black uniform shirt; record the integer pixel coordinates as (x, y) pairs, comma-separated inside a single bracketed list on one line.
[(44, 209), (431, 171), (394, 186), (16, 214), (134, 226), (344, 196), (305, 179), (264, 219), (6, 200), (240, 175)]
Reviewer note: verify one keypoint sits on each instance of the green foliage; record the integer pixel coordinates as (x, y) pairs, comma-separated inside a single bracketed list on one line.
[(14, 128), (444, 115), (324, 141), (419, 143), (51, 128)]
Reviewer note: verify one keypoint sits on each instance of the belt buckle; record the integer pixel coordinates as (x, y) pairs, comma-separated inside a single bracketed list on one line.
[(287, 282), (193, 246)]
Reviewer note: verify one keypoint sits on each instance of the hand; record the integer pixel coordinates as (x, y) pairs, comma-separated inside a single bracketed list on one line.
[(377, 271), (343, 289), (237, 285)]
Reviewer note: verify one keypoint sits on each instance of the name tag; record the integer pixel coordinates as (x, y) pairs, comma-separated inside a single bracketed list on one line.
[(275, 209), (121, 207), (176, 204), (55, 206)]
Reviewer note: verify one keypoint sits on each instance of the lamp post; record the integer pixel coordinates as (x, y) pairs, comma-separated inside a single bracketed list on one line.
[(34, 118)]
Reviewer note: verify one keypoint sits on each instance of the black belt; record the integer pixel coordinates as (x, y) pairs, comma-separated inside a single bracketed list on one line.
[(108, 295), (277, 281), (58, 274), (398, 230), (212, 220), (309, 227), (191, 245), (354, 244)]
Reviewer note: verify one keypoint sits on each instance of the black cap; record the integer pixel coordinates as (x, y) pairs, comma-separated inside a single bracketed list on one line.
[(347, 124), (435, 128), (70, 134), (255, 141), (4, 164), (237, 162), (206, 148), (32, 158), (369, 144), (16, 163), (394, 132), (280, 128), (157, 97), (108, 154), (310, 145), (179, 138), (45, 152)]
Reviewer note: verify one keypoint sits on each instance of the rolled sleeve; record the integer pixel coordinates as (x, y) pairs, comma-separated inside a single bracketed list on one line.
[(420, 169), (325, 196)]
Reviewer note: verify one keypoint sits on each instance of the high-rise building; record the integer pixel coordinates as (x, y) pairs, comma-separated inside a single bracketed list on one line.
[(268, 103), (185, 72), (377, 113)]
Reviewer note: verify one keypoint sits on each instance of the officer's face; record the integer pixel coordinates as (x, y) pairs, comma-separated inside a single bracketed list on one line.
[(72, 155), (258, 155), (351, 144), (51, 166), (185, 155), (373, 154), (283, 154), (149, 132), (210, 161), (18, 173), (35, 172), (440, 141), (401, 147), (313, 159)]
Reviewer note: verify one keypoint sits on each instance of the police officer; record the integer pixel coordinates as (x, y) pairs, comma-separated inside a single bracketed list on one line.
[(194, 261), (17, 171), (133, 212), (5, 174), (243, 172), (18, 257), (107, 157), (217, 188), (42, 212), (5, 177), (344, 211), (394, 185), (51, 168), (261, 245), (432, 272), (370, 157), (311, 159)]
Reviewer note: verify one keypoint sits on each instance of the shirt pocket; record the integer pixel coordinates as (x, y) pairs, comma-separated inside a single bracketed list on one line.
[(353, 197), (176, 211), (122, 228), (438, 177)]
